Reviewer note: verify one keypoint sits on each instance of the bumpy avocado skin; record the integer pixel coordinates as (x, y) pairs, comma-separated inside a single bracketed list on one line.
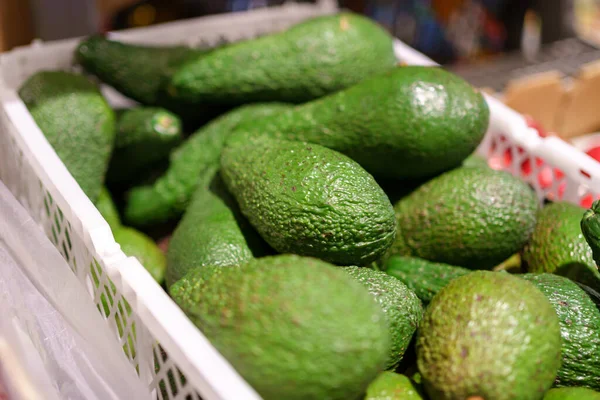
[(309, 200), (309, 60), (168, 197), (407, 123), (580, 330), (571, 393), (392, 386), (401, 306), (293, 327), (424, 277), (469, 217), (76, 120), (489, 334)]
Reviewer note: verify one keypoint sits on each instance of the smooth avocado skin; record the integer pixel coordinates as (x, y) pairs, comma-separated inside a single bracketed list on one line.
[(571, 393), (489, 334), (579, 320), (76, 120), (407, 123), (391, 386), (309, 200), (137, 244), (168, 197), (212, 232), (307, 61), (108, 209), (293, 327), (402, 308), (558, 245), (145, 136), (469, 217), (424, 277)]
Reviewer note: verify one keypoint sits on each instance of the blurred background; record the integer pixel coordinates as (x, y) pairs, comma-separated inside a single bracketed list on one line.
[(530, 53)]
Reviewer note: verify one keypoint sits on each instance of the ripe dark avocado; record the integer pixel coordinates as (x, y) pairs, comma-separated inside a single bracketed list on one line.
[(76, 120), (309, 60), (294, 327), (402, 308), (309, 200), (558, 245), (424, 277), (168, 197), (579, 320), (489, 334), (469, 217), (392, 386), (407, 123)]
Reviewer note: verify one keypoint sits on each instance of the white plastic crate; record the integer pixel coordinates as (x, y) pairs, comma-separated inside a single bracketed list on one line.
[(140, 313)]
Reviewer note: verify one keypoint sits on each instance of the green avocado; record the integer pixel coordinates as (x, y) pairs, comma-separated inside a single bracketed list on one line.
[(168, 197), (590, 227), (424, 277), (76, 120), (489, 335), (309, 60), (107, 209), (294, 327), (407, 123), (309, 200), (579, 320), (469, 217), (391, 386), (401, 306), (137, 244), (571, 393)]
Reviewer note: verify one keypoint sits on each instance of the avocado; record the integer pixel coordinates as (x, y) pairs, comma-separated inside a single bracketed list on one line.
[(107, 209), (76, 120), (212, 232), (475, 160), (490, 335), (590, 227), (137, 244), (391, 386), (293, 327), (470, 217), (309, 60), (571, 393), (168, 197), (145, 136), (142, 72), (408, 123), (424, 277), (309, 200), (402, 308), (579, 320), (557, 243)]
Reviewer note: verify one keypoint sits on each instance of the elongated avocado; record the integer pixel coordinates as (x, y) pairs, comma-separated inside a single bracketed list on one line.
[(579, 320), (407, 123), (293, 327), (199, 155), (490, 335), (424, 277), (402, 308), (309, 60), (76, 120), (309, 200)]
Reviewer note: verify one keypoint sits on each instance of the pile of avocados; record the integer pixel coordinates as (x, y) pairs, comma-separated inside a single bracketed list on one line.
[(318, 212)]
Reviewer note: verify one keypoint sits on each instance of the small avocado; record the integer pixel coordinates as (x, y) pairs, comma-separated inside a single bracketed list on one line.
[(490, 335), (137, 244), (294, 327), (168, 197), (76, 120), (558, 245), (309, 200), (571, 393), (590, 227), (145, 136), (408, 123), (107, 209), (309, 60), (424, 277), (391, 386), (469, 217), (579, 320), (401, 306)]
